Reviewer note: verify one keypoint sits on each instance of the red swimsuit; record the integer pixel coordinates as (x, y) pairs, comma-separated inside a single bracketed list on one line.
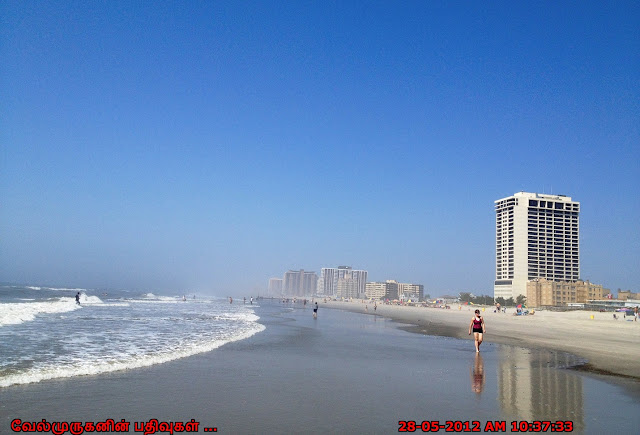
[(477, 324)]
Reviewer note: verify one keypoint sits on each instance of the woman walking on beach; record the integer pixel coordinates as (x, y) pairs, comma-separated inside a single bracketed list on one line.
[(477, 325)]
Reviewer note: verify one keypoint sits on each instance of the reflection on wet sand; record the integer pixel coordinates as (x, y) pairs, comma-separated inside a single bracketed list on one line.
[(477, 374), (533, 386)]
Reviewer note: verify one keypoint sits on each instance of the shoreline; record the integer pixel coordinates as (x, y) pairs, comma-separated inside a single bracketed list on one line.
[(610, 347), (302, 374)]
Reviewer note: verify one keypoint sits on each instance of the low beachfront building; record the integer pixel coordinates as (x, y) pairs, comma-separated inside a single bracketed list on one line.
[(392, 289), (546, 293), (624, 295)]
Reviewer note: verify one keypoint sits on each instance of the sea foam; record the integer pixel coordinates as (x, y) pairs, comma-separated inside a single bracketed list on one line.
[(13, 314), (128, 362)]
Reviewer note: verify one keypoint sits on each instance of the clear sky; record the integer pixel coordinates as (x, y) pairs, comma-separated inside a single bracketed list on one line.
[(213, 145)]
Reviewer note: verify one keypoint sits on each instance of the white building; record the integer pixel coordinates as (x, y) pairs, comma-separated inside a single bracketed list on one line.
[(299, 283), (537, 236), (330, 277), (275, 287), (348, 287)]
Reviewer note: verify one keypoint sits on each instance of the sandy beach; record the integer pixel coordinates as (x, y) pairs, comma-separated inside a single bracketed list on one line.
[(610, 346)]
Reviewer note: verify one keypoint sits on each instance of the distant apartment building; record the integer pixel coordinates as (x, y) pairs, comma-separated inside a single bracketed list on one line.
[(376, 290), (353, 282), (299, 283), (347, 287), (542, 292), (390, 289), (537, 236), (275, 287), (414, 292)]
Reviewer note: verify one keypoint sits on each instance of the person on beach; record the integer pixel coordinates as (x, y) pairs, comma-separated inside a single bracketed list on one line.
[(315, 311), (477, 325), (78, 298)]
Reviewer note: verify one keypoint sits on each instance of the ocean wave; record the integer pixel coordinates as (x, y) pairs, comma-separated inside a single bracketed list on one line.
[(127, 362), (111, 304), (90, 300), (16, 313), (64, 289), (152, 301)]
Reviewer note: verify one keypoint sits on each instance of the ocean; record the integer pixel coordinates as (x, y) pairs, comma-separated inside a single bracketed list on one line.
[(45, 334)]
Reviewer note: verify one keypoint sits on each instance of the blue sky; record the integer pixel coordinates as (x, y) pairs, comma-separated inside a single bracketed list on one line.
[(213, 145)]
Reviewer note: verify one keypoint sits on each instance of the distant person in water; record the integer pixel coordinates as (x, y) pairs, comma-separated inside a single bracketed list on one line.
[(477, 325), (315, 311), (78, 298), (251, 300), (230, 300)]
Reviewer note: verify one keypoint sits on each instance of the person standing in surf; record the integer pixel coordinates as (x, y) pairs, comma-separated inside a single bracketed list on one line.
[(477, 325), (78, 298)]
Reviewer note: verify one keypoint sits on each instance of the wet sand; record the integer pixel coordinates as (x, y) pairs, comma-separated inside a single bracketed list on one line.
[(340, 373), (610, 346)]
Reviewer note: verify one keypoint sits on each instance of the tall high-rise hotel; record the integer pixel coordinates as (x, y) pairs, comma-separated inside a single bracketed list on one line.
[(342, 282), (537, 236)]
